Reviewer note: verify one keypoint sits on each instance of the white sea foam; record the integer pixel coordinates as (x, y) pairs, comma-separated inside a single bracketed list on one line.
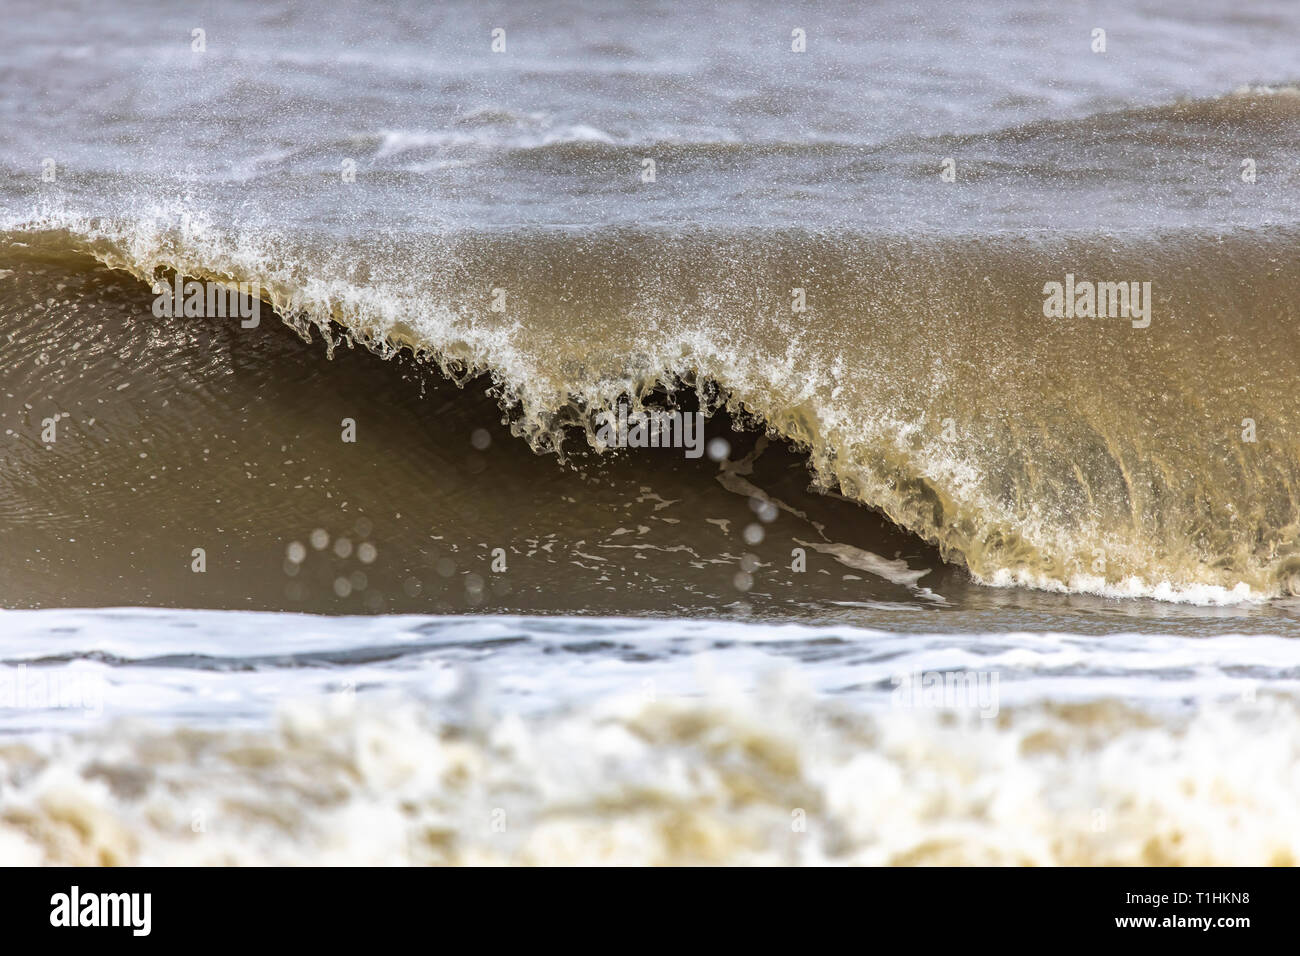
[(1132, 587), (772, 777)]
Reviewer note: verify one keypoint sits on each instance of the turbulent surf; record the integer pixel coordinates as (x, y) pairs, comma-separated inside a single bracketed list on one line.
[(598, 413), (918, 375)]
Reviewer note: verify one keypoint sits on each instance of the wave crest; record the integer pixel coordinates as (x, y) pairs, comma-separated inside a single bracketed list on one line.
[(922, 380)]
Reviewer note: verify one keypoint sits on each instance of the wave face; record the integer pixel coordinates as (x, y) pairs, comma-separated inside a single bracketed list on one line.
[(922, 380)]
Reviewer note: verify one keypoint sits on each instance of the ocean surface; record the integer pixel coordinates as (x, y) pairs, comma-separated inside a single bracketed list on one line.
[(357, 571)]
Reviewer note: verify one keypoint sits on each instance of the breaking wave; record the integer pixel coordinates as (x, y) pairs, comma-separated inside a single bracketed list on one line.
[(921, 378)]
